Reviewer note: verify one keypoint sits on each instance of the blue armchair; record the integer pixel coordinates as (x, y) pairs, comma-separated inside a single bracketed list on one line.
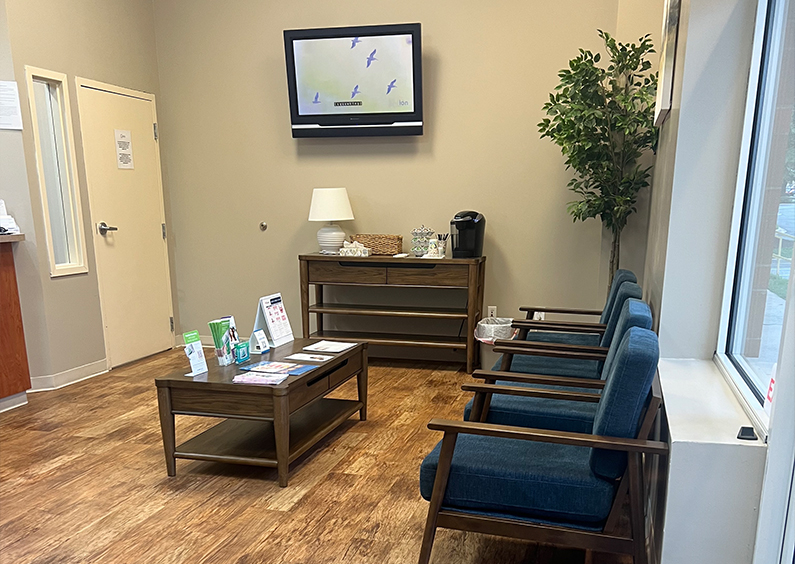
[(582, 364), (507, 398), (552, 486), (572, 332)]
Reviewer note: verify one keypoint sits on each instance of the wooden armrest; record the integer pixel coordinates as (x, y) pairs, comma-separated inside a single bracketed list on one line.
[(530, 392), (564, 310), (549, 346), (550, 352), (547, 436), (540, 379), (553, 327), (535, 324)]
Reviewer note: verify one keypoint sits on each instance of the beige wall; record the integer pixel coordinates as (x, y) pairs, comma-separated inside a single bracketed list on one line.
[(106, 40), (696, 175), (14, 191), (229, 160)]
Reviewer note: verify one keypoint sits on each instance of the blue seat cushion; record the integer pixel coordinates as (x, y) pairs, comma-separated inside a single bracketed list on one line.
[(552, 366), (556, 366), (523, 479), (540, 413), (582, 339)]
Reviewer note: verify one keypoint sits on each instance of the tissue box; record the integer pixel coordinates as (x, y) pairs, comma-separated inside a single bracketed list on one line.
[(354, 252)]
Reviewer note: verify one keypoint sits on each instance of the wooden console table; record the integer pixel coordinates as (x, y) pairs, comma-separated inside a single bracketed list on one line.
[(469, 274)]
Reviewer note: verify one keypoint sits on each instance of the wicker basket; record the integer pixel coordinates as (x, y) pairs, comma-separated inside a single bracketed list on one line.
[(380, 244)]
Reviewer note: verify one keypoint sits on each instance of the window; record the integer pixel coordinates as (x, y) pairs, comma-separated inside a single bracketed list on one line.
[(762, 272), (55, 163)]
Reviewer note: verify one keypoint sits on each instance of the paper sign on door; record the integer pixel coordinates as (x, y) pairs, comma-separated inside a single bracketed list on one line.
[(124, 156)]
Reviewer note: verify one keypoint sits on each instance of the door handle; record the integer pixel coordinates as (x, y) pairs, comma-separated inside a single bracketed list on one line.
[(103, 228)]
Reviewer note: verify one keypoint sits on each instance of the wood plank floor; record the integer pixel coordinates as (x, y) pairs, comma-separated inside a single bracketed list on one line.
[(83, 480)]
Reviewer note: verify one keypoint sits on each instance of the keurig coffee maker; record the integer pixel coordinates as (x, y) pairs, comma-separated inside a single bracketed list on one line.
[(466, 230)]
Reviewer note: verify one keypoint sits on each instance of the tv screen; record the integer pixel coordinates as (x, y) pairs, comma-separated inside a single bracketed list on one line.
[(355, 80)]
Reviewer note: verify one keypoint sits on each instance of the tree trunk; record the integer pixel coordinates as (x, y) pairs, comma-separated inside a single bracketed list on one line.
[(615, 251)]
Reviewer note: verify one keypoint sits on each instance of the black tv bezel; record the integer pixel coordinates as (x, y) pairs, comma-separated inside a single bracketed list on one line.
[(341, 125)]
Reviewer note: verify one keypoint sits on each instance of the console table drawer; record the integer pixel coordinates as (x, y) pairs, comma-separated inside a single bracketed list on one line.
[(339, 272), (199, 401), (431, 275), (313, 388), (351, 366)]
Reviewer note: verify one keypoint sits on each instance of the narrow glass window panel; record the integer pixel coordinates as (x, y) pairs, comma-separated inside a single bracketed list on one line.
[(57, 184), (768, 223)]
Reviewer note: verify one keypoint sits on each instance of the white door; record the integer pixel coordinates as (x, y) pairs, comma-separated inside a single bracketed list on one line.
[(125, 194)]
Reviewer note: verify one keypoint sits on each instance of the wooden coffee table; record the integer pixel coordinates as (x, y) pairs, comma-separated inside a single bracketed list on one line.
[(265, 425)]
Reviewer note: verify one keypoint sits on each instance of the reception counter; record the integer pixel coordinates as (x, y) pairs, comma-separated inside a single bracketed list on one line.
[(14, 371)]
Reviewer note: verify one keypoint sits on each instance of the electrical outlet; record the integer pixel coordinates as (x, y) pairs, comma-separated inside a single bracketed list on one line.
[(538, 316), (492, 311)]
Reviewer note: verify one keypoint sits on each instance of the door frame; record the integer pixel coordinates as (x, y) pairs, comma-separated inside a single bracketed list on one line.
[(81, 83)]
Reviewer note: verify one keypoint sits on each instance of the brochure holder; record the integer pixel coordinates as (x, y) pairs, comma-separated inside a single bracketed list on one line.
[(272, 320)]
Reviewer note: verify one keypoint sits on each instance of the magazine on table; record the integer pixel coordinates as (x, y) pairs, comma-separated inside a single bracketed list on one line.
[(329, 347), (304, 357), (269, 367), (257, 378)]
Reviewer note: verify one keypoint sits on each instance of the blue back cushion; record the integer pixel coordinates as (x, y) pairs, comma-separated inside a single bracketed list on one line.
[(620, 277), (625, 291), (634, 313), (630, 374)]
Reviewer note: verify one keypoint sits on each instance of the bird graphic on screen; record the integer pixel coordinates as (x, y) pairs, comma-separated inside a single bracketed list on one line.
[(390, 86), (371, 58), (355, 91), (317, 98), (354, 41)]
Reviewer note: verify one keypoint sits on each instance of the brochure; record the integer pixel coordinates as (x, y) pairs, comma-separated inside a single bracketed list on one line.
[(265, 379), (329, 346), (309, 357), (269, 367), (195, 353)]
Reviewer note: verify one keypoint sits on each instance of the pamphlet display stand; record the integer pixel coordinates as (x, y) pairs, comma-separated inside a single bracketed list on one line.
[(271, 326)]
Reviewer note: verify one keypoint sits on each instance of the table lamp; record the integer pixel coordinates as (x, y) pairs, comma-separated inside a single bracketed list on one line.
[(330, 204)]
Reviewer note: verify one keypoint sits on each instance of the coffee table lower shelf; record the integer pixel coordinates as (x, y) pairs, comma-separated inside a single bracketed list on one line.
[(245, 441)]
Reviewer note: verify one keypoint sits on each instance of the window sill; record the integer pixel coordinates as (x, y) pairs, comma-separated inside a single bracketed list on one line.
[(699, 404)]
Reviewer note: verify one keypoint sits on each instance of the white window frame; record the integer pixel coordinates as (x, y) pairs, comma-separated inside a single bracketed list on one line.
[(78, 266), (749, 402)]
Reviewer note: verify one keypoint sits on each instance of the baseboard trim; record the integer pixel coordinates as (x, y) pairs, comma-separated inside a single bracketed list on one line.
[(12, 402), (71, 376)]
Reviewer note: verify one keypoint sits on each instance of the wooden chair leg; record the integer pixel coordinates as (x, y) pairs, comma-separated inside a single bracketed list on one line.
[(636, 503), (615, 513), (477, 406), (439, 488)]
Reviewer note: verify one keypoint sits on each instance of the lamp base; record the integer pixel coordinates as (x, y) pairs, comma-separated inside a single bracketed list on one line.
[(330, 238)]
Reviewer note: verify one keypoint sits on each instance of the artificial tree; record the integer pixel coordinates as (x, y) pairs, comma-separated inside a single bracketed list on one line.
[(603, 121)]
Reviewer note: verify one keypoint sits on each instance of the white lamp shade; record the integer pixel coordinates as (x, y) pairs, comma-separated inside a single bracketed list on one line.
[(330, 204)]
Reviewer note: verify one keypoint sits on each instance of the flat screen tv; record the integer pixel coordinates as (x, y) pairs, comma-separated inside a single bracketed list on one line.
[(355, 81)]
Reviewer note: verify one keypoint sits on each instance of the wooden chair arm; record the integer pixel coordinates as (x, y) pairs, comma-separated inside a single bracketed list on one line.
[(530, 392), (547, 436), (524, 325), (563, 310), (540, 379), (552, 353), (534, 324), (549, 346)]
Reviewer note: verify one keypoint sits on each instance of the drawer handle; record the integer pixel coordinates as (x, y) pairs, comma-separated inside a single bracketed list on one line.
[(317, 379)]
